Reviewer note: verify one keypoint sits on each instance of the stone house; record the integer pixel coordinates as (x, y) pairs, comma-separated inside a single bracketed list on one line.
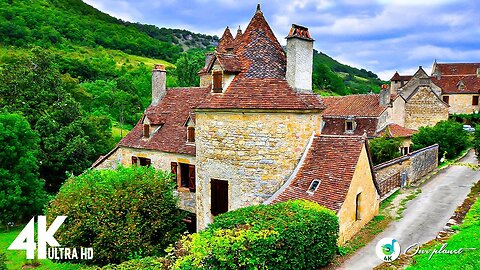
[(252, 125), (460, 85)]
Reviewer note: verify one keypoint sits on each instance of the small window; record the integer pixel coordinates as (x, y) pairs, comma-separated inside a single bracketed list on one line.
[(146, 131), (191, 134), (349, 126), (357, 207), (145, 161), (187, 176), (313, 186), (446, 99), (475, 100), (217, 82), (478, 72)]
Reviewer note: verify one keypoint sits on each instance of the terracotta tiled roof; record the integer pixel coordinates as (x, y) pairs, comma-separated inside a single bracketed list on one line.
[(261, 84), (176, 106), (397, 131), (225, 42), (449, 84), (398, 77), (354, 105), (229, 62), (332, 167), (457, 68)]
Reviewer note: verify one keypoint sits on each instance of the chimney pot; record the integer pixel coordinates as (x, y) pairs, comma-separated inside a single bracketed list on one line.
[(299, 59)]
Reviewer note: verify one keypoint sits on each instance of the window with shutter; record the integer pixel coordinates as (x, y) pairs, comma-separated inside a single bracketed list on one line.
[(217, 82), (191, 178), (475, 100), (190, 134), (219, 196), (134, 160), (184, 175), (146, 131), (446, 99), (145, 161)]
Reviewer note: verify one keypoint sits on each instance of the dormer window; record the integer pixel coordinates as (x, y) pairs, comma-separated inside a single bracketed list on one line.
[(146, 130), (313, 186), (191, 134), (217, 82), (478, 72), (461, 85), (349, 126)]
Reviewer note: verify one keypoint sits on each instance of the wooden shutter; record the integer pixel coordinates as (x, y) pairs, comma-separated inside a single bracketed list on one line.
[(134, 160), (217, 82), (219, 196), (475, 100), (446, 99), (191, 178), (190, 134), (146, 131)]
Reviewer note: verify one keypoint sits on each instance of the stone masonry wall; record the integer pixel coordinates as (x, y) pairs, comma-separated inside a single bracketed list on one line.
[(424, 109), (160, 160), (416, 165), (461, 103), (254, 151)]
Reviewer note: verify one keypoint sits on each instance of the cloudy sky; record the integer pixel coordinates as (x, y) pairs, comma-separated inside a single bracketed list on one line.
[(382, 36)]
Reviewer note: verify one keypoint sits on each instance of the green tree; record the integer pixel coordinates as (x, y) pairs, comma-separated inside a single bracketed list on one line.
[(21, 191), (449, 135), (476, 141), (325, 79), (384, 149), (188, 65), (129, 212)]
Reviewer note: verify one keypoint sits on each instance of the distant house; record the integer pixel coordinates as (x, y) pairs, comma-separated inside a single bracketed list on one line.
[(459, 84), (253, 124)]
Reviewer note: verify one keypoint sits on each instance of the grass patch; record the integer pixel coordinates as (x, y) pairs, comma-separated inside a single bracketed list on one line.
[(403, 203), (16, 258), (449, 162), (389, 200)]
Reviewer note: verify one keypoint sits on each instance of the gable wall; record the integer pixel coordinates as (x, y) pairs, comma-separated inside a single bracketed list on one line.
[(424, 109), (362, 181), (254, 152)]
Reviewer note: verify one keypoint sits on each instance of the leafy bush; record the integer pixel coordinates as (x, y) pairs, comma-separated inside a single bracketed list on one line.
[(21, 190), (384, 149), (148, 263), (292, 235), (476, 141), (449, 135), (118, 212), (3, 258)]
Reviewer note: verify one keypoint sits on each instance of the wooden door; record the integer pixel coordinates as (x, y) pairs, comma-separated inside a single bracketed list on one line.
[(219, 193)]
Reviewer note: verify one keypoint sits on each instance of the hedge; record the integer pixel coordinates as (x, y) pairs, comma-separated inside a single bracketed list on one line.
[(122, 214), (3, 259), (291, 235)]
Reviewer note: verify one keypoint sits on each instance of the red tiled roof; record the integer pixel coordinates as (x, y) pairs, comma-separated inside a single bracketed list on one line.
[(354, 105), (449, 84), (397, 131), (447, 69), (261, 84), (229, 62), (398, 77), (225, 42), (176, 106), (332, 167)]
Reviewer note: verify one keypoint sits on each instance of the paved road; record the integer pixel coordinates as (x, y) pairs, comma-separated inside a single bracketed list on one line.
[(425, 215)]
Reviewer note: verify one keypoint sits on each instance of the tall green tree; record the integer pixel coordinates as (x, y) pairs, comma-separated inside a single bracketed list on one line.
[(384, 149), (70, 139), (21, 190), (188, 65)]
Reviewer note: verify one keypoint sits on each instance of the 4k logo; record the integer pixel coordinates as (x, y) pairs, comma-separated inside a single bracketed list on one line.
[(26, 239)]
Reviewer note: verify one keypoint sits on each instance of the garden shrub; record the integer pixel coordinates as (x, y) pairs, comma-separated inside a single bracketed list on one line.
[(384, 149), (291, 235), (3, 259), (122, 214), (449, 135)]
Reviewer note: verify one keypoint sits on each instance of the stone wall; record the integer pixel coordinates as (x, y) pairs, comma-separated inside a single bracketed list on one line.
[(461, 103), (362, 183), (160, 160), (254, 151), (415, 165), (424, 109)]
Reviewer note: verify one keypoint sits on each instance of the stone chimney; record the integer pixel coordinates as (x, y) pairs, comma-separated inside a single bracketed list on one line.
[(299, 59), (159, 83), (385, 95)]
